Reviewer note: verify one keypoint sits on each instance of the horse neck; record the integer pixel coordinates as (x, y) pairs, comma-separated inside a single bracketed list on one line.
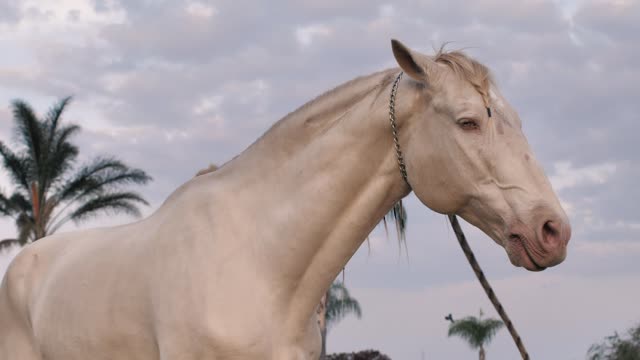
[(317, 183)]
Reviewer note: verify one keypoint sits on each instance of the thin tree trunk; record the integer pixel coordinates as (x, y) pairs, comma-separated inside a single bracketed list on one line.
[(481, 353), (487, 287), (322, 323), (323, 353), (38, 216), (35, 198)]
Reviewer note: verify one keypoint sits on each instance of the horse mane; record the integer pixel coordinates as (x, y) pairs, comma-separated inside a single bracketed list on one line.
[(211, 168), (467, 69), (326, 110), (464, 66), (358, 88)]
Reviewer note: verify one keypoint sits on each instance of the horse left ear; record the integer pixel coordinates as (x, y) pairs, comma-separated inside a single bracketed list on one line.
[(408, 61)]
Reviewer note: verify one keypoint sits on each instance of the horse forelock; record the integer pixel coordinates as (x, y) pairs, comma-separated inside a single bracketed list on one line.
[(468, 69)]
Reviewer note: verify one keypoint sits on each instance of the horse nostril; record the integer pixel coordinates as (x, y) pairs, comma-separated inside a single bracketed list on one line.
[(549, 229), (551, 234)]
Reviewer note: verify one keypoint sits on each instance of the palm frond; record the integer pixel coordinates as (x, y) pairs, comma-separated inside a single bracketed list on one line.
[(17, 166), (476, 332), (62, 154), (95, 181), (108, 179), (19, 207), (113, 202), (617, 347), (490, 328), (20, 203), (467, 328), (8, 243), (340, 304), (26, 228), (6, 208), (47, 213), (54, 114), (29, 129), (128, 177), (90, 176), (15, 204), (64, 134)]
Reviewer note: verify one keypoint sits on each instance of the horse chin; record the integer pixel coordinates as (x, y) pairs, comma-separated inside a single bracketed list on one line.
[(520, 256)]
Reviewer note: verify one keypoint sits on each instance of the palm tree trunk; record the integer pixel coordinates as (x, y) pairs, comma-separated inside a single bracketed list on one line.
[(487, 287), (323, 353), (322, 323), (481, 353), (38, 219), (35, 198)]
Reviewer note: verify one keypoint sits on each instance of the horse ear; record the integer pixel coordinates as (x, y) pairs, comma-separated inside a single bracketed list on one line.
[(408, 61)]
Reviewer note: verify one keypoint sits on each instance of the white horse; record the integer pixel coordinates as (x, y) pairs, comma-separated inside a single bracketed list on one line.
[(233, 264)]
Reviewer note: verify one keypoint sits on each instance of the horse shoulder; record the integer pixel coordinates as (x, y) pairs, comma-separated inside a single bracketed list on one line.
[(25, 274), (16, 335)]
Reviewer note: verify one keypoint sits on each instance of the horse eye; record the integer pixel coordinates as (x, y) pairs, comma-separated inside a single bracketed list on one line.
[(468, 124)]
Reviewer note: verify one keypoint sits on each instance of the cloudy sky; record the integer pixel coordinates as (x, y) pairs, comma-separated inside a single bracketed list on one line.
[(171, 86)]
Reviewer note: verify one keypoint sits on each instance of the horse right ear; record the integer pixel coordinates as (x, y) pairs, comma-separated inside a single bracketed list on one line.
[(408, 61)]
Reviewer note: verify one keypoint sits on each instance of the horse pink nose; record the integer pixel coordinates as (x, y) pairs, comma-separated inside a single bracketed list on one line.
[(555, 235)]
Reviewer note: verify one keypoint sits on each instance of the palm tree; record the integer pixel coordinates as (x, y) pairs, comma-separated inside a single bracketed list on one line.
[(616, 347), (49, 192), (340, 304), (335, 305), (473, 262), (476, 331)]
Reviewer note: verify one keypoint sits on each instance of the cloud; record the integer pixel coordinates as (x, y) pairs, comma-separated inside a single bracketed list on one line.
[(208, 104), (607, 248), (599, 195), (201, 9), (614, 19), (566, 176), (9, 11), (306, 34)]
